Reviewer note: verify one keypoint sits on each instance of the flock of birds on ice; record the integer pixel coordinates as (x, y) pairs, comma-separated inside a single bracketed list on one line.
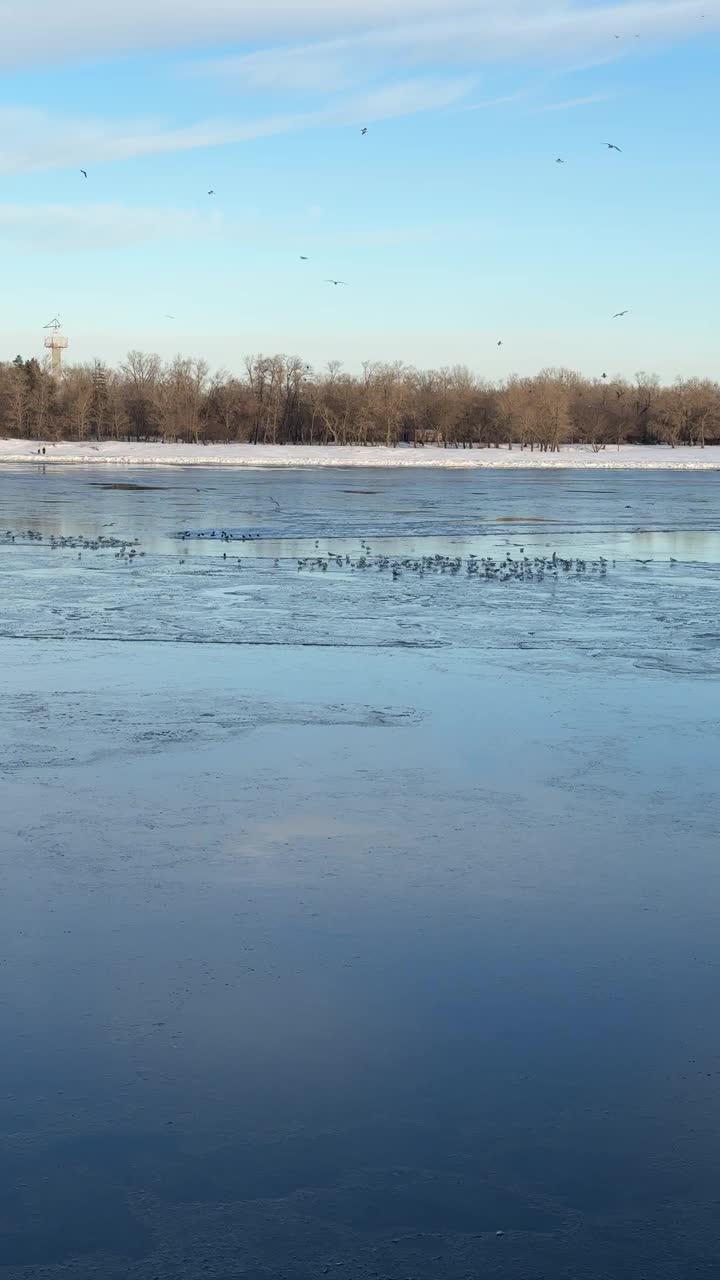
[(507, 568)]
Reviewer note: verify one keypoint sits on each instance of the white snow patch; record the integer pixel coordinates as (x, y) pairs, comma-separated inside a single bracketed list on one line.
[(634, 457)]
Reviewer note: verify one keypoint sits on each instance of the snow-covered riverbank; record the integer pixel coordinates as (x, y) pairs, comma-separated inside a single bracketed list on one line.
[(122, 453)]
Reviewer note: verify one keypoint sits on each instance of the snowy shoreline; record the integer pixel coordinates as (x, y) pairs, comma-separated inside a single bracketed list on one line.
[(123, 454)]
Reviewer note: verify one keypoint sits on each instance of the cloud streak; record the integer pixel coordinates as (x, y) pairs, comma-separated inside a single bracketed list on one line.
[(570, 104), (504, 100), (66, 228), (32, 139)]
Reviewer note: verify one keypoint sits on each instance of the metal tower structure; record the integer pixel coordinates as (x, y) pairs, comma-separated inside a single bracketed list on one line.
[(56, 343)]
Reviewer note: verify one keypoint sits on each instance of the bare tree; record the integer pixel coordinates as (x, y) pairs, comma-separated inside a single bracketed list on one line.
[(78, 394), (179, 398), (16, 398), (141, 373)]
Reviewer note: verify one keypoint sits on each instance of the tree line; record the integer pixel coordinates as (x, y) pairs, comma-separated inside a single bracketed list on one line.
[(282, 400)]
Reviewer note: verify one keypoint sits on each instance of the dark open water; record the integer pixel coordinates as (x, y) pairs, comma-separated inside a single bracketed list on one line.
[(349, 920)]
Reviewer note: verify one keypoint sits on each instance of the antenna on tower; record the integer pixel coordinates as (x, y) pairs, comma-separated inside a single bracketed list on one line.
[(56, 343)]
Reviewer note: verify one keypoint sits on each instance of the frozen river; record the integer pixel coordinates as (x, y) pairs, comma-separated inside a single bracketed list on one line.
[(358, 852)]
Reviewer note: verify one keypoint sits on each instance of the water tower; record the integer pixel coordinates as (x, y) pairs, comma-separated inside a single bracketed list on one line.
[(56, 343)]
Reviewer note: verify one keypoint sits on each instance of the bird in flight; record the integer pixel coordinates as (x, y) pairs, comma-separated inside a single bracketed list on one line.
[(604, 375), (303, 258), (363, 131), (169, 317), (559, 161), (611, 147), (84, 173), (211, 193), (618, 314), (329, 281), (500, 343)]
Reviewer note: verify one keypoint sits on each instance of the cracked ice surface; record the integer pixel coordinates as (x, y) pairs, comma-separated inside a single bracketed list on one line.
[(353, 914)]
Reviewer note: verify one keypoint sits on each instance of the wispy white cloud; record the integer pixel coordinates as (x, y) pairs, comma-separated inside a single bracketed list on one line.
[(542, 29), (303, 69), (64, 227), (571, 103), (502, 101), (47, 32), (32, 139), (409, 29), (487, 32), (400, 235), (392, 101)]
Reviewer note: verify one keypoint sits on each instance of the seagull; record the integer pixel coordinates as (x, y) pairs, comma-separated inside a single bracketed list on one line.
[(611, 147), (84, 173), (618, 314), (363, 131), (328, 281), (303, 258), (559, 161)]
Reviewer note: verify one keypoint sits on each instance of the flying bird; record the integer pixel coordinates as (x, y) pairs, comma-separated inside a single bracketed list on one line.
[(618, 314), (363, 131), (559, 161), (169, 317), (328, 281), (303, 258), (211, 193), (604, 375), (611, 147), (84, 173), (500, 343)]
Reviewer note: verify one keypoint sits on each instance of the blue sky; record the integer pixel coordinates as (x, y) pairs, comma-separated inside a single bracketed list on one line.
[(450, 221)]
